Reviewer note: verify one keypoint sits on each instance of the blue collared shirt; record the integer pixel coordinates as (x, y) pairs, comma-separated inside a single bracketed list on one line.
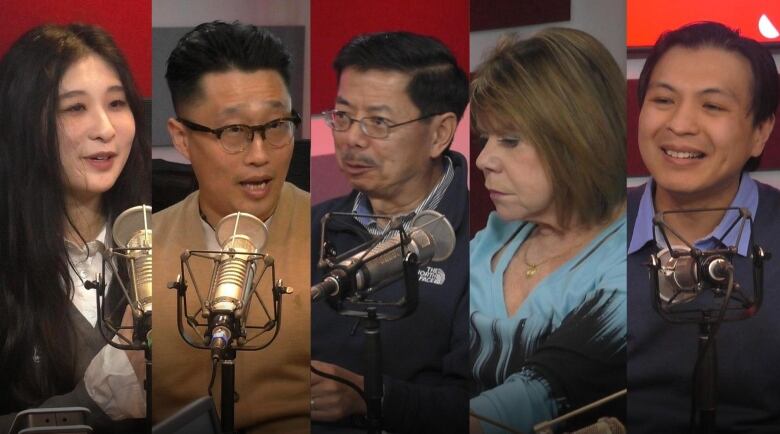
[(747, 197)]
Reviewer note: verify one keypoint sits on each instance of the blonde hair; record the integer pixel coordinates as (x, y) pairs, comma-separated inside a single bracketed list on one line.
[(565, 94)]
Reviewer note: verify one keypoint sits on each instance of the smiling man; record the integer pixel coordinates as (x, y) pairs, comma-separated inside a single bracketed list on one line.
[(399, 99), (708, 98), (235, 123)]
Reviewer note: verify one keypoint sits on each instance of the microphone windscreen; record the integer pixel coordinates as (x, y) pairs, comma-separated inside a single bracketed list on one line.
[(130, 222), (246, 225), (440, 231)]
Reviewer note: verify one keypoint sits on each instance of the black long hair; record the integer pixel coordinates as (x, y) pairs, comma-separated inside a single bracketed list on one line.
[(37, 341)]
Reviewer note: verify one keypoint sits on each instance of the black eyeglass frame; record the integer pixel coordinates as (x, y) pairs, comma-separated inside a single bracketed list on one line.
[(329, 114), (294, 117)]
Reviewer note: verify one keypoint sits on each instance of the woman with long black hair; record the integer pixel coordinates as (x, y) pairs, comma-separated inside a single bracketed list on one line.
[(73, 155)]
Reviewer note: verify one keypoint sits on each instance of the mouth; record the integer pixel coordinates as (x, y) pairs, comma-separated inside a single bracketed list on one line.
[(101, 161), (494, 194), (256, 187), (101, 156), (356, 168), (683, 155)]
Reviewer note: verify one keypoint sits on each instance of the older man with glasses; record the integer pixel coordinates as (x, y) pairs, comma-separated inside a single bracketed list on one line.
[(235, 123), (400, 97)]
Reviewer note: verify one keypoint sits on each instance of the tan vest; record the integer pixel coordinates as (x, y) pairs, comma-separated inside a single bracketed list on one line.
[(272, 383)]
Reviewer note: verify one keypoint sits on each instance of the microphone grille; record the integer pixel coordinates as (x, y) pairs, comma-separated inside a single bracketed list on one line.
[(440, 231), (677, 277)]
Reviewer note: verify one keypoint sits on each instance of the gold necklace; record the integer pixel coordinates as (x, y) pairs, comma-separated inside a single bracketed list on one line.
[(533, 268)]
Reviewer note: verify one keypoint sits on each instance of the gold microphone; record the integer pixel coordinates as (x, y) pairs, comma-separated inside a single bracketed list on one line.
[(133, 234)]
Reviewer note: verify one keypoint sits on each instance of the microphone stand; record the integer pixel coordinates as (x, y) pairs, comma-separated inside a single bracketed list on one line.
[(705, 382), (141, 327), (227, 402), (345, 304), (238, 340), (372, 350), (704, 397), (136, 345)]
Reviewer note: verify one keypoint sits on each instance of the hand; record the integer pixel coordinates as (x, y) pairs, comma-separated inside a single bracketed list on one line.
[(331, 400), (136, 358)]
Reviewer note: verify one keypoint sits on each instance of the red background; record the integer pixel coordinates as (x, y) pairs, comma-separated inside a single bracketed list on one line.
[(333, 24), (128, 22), (648, 19)]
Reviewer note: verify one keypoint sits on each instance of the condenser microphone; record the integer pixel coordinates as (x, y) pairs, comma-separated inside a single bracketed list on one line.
[(431, 238), (681, 276), (132, 232), (241, 237)]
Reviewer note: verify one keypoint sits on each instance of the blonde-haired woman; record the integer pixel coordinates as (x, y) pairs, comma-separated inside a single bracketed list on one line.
[(548, 272)]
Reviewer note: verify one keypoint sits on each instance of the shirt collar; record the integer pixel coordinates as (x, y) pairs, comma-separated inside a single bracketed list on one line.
[(79, 251), (746, 197), (363, 206)]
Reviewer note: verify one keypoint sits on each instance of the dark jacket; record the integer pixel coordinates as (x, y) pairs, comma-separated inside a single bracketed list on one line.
[(661, 355), (89, 342), (425, 355)]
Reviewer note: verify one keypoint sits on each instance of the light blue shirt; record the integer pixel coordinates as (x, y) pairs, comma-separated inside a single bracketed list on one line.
[(746, 197), (514, 394)]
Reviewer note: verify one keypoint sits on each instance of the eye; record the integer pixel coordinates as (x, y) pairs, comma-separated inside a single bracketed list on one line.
[(118, 104), (713, 107), (661, 100), (75, 108), (233, 130), (377, 121), (277, 124), (509, 141)]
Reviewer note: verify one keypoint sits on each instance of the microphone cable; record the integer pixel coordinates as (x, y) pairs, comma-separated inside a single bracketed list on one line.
[(341, 380), (214, 362)]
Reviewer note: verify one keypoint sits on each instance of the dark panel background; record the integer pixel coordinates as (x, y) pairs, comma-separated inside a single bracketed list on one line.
[(497, 14)]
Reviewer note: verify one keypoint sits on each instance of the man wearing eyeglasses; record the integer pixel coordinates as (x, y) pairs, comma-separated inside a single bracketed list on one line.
[(400, 97), (235, 123)]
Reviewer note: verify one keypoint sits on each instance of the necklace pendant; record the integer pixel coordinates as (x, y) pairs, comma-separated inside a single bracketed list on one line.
[(529, 273)]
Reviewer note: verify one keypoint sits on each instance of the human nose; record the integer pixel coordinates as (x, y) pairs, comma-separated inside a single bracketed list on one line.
[(355, 135), (256, 153), (102, 127), (487, 160), (683, 119)]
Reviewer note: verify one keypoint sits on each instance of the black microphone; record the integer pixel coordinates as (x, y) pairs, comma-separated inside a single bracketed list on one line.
[(431, 238), (330, 284)]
